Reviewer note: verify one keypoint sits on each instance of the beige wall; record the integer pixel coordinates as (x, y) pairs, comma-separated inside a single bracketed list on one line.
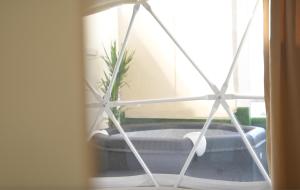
[(152, 72), (42, 130), (159, 70)]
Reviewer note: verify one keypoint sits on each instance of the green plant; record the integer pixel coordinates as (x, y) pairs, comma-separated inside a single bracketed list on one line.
[(111, 60), (243, 115)]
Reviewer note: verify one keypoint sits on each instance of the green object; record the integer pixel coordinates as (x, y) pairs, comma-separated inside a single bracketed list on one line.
[(259, 121), (111, 60), (243, 115)]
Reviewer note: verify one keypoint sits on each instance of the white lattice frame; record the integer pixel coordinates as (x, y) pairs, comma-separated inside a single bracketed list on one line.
[(219, 97)]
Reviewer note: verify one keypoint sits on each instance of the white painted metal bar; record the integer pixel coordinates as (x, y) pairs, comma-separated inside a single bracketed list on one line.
[(183, 99), (131, 146), (120, 57), (246, 97), (108, 95), (194, 149), (169, 100), (241, 132), (149, 9), (93, 90), (246, 141), (93, 104), (219, 97), (101, 109), (94, 123), (241, 44), (162, 100)]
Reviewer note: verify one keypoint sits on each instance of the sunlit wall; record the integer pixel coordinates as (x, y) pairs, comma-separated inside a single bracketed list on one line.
[(209, 31)]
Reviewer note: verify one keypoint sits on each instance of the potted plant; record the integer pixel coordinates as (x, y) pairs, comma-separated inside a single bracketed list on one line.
[(110, 61)]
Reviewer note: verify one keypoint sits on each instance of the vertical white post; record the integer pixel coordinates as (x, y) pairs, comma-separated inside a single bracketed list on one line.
[(131, 146)]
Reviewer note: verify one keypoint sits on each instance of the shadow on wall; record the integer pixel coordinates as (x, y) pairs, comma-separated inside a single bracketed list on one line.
[(154, 73)]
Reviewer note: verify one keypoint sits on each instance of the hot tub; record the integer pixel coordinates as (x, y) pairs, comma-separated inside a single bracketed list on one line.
[(164, 150)]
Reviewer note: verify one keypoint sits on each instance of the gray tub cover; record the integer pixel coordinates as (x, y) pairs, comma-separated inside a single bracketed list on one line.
[(164, 150)]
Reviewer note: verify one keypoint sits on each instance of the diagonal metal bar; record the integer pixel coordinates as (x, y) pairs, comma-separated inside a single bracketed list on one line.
[(120, 57), (194, 149), (246, 141), (115, 72), (94, 123), (149, 9), (239, 129), (131, 146), (219, 96), (241, 45), (101, 109), (93, 104), (226, 106), (108, 95), (93, 90), (213, 87)]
